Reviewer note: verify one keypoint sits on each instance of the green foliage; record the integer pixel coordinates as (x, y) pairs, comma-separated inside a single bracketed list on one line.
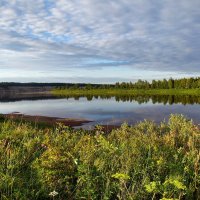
[(173, 88), (184, 83), (169, 95), (189, 86), (121, 176), (145, 161)]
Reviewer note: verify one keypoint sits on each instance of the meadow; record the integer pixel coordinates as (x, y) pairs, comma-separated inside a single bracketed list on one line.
[(144, 161), (116, 92)]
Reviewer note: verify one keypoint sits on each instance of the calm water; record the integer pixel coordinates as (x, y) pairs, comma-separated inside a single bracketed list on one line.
[(108, 110)]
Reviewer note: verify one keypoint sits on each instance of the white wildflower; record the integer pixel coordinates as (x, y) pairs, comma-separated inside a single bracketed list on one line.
[(76, 161), (53, 194)]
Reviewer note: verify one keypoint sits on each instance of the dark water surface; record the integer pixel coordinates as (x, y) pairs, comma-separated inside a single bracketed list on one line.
[(107, 110)]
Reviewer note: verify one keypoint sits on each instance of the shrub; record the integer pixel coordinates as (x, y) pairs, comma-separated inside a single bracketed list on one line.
[(144, 161)]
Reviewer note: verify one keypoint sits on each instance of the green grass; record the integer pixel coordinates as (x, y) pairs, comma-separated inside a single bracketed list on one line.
[(64, 92), (144, 161)]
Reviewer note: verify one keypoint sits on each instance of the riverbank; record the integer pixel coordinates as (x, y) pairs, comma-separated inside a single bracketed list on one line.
[(74, 92), (47, 122), (44, 120)]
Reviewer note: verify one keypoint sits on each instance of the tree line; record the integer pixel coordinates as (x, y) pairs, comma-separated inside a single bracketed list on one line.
[(183, 83)]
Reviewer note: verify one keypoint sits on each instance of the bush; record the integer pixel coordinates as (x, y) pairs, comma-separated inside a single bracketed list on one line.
[(145, 161)]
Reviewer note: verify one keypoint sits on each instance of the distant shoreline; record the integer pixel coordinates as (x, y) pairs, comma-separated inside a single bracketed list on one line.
[(65, 92)]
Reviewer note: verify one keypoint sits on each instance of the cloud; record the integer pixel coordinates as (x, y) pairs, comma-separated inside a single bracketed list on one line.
[(67, 34)]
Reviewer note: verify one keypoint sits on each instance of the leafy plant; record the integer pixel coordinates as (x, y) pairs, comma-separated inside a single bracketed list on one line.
[(144, 161)]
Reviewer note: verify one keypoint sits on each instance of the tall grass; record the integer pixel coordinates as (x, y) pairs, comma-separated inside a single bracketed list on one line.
[(145, 161)]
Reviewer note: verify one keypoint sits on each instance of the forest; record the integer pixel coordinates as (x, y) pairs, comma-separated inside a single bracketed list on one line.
[(184, 83)]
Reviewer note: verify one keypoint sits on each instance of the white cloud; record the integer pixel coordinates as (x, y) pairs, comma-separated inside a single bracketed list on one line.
[(152, 35)]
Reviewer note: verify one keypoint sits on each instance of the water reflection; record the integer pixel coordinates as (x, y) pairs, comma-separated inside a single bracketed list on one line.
[(13, 97), (165, 99), (108, 110)]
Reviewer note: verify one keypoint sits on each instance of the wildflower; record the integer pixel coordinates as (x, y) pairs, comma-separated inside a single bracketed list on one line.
[(43, 146), (53, 194), (76, 161)]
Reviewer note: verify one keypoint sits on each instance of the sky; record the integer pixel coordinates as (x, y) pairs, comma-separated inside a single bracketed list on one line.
[(98, 41)]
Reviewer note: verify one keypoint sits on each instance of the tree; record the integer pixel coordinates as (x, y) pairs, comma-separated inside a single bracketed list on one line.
[(171, 83)]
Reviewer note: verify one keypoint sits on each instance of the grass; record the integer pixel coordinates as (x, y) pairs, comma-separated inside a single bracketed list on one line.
[(64, 92), (144, 161)]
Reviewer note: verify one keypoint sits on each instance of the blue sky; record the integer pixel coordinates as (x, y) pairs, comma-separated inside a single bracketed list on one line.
[(98, 41)]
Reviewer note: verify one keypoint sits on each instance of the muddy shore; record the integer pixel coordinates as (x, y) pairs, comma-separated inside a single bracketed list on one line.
[(46, 120), (51, 121)]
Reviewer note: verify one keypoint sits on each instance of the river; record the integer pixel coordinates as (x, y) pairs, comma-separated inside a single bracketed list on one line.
[(106, 110)]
